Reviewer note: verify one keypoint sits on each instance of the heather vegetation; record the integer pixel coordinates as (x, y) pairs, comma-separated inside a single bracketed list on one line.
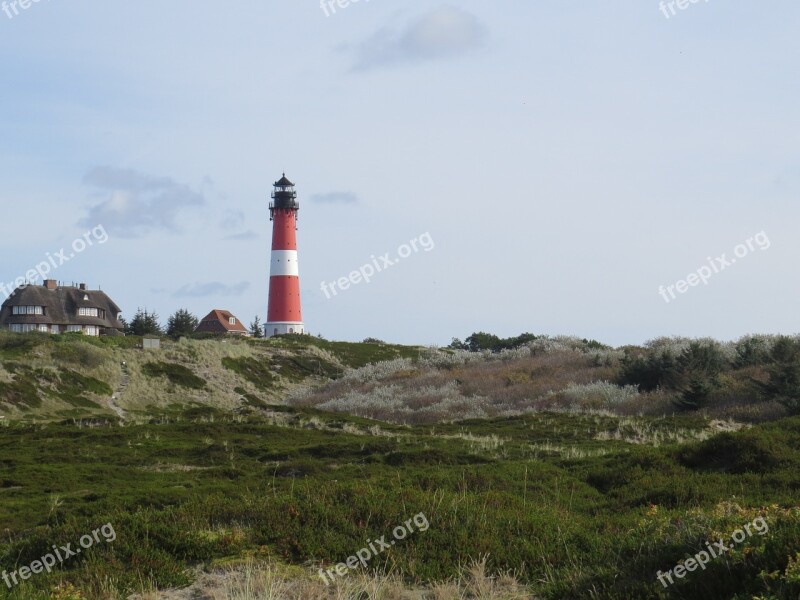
[(555, 503), (556, 468), (754, 379)]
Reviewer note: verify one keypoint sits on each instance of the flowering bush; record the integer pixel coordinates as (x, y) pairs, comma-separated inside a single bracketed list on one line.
[(599, 394)]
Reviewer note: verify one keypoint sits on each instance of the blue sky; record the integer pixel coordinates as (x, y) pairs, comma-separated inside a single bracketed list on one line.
[(567, 159)]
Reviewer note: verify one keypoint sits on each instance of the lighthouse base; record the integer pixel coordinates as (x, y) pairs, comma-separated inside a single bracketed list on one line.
[(283, 328)]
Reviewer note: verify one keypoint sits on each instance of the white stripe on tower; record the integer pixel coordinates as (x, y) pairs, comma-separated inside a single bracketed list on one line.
[(284, 263)]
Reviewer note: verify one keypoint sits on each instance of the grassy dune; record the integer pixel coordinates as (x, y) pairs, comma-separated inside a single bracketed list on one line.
[(242, 468), (57, 377)]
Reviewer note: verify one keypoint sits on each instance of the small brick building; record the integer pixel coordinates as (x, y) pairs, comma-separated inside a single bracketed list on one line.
[(221, 322)]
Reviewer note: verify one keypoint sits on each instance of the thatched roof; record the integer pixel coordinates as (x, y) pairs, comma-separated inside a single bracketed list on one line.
[(61, 306)]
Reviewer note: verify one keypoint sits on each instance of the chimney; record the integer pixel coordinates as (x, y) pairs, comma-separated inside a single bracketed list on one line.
[(50, 284), (83, 286)]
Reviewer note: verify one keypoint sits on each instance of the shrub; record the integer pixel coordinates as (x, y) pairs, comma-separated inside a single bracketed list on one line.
[(654, 370), (752, 351), (480, 342), (177, 374), (256, 372), (600, 394), (784, 374)]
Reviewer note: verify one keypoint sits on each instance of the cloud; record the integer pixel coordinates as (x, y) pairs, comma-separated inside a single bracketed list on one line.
[(135, 204), (233, 219), (214, 288), (244, 236), (335, 198), (442, 33)]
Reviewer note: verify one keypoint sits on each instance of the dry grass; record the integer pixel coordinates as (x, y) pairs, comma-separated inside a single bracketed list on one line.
[(635, 431), (272, 581), (549, 449)]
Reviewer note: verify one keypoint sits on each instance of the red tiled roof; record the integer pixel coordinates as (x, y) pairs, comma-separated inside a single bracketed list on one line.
[(219, 321)]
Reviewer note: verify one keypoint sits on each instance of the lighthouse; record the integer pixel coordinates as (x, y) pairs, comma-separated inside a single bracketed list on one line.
[(284, 314)]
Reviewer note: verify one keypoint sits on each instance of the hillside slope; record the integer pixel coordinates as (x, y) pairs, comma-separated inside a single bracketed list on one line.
[(47, 377)]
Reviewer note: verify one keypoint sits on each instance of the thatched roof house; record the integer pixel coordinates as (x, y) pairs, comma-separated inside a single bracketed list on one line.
[(52, 308)]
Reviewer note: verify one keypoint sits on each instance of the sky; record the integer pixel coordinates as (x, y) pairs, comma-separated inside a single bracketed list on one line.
[(612, 170)]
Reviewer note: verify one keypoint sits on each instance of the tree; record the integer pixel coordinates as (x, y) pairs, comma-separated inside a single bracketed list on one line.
[(457, 344), (784, 374), (480, 341), (256, 328), (516, 342), (699, 366), (751, 351), (181, 324), (656, 369), (144, 323)]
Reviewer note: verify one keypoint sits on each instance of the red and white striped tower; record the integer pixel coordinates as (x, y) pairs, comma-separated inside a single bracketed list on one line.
[(284, 314)]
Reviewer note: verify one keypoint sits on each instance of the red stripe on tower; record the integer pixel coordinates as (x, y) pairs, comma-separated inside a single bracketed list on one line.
[(284, 314)]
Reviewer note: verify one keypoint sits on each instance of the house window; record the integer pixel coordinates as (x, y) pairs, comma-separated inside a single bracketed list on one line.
[(92, 330), (28, 310), (88, 312), (17, 328), (232, 320), (55, 330), (74, 328), (44, 329)]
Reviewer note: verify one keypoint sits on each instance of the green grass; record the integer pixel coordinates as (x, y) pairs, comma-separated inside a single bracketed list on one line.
[(20, 394), (204, 486), (175, 373), (264, 372), (351, 354), (31, 385), (255, 371), (13, 345)]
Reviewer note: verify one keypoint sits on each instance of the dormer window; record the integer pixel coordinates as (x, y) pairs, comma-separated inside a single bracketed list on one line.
[(86, 297), (232, 320), (28, 310), (85, 311)]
